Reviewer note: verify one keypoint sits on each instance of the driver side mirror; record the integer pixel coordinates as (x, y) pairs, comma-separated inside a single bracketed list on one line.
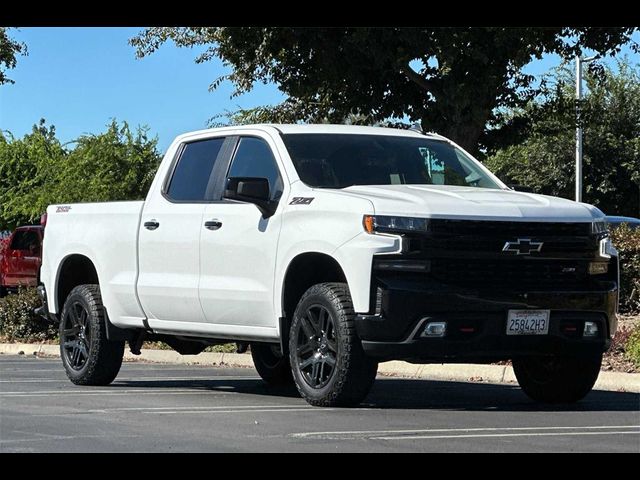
[(252, 190)]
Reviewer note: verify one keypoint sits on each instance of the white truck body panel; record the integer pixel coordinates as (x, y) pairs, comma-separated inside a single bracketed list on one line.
[(107, 234)]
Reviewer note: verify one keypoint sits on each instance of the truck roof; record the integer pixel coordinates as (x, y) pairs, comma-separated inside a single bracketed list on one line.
[(321, 128)]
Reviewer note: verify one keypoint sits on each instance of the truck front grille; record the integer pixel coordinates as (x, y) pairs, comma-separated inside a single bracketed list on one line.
[(511, 273), (491, 228), (477, 239)]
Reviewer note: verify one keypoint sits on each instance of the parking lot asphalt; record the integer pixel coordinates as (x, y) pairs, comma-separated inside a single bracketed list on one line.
[(178, 408)]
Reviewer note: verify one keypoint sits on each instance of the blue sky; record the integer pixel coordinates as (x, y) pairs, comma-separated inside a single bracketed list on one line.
[(80, 78)]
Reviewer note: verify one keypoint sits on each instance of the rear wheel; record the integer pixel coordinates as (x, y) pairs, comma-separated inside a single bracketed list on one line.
[(89, 358), (557, 379), (3, 292), (272, 366), (329, 366)]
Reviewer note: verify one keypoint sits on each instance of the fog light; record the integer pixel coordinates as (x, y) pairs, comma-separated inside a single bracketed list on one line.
[(435, 329), (590, 329), (598, 268)]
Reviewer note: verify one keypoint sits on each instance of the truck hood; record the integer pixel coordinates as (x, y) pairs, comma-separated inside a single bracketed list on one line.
[(443, 201)]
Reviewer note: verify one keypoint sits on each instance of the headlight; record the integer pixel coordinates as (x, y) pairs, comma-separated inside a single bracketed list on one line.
[(607, 250), (600, 228), (388, 224)]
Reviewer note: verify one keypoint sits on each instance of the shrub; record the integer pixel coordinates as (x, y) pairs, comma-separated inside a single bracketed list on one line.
[(19, 323), (4, 241), (620, 340), (632, 348), (627, 242)]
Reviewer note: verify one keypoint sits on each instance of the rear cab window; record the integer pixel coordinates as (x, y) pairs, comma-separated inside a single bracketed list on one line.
[(192, 179)]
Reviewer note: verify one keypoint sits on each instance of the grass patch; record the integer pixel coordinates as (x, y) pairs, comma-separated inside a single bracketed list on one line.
[(632, 347), (224, 348)]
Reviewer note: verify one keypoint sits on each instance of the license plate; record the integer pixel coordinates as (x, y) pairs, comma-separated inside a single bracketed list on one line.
[(528, 322)]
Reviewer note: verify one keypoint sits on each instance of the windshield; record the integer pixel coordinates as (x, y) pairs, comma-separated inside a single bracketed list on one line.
[(341, 160)]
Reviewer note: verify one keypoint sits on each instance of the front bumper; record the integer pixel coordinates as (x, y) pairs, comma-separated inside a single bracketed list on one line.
[(476, 322)]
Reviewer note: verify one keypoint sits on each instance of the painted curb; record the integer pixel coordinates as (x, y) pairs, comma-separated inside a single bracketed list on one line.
[(612, 381)]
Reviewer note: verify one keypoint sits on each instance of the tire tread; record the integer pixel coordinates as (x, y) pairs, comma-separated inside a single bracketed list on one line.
[(105, 357), (357, 372)]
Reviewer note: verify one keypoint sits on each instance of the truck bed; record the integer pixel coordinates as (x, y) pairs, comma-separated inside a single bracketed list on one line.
[(107, 235)]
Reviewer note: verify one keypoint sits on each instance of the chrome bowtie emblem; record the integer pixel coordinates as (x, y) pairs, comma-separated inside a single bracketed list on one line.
[(523, 246)]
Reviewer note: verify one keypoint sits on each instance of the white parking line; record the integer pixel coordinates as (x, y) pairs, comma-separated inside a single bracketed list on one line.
[(133, 379), (63, 437), (115, 393), (428, 433), (192, 410), (235, 410), (33, 380), (498, 435), (237, 407)]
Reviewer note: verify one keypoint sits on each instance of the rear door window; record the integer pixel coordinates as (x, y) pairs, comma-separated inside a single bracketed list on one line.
[(191, 180)]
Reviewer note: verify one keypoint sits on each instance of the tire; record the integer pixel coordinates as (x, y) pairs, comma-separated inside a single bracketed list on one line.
[(329, 367), (557, 379), (272, 366), (3, 292), (88, 357)]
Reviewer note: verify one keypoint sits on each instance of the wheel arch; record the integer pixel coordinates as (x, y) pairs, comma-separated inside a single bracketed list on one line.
[(75, 269), (303, 271)]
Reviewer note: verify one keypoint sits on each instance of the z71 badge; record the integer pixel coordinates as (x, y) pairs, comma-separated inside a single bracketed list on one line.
[(301, 200), (64, 209)]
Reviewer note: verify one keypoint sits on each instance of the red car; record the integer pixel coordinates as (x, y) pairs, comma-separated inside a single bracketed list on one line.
[(21, 258)]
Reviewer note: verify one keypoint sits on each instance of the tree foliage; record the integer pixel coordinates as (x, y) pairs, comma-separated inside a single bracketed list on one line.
[(9, 50), (627, 242), (38, 170), (543, 156), (25, 165), (450, 80)]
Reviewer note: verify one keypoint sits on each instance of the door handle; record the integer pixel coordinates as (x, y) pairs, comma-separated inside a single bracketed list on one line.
[(151, 224), (212, 224)]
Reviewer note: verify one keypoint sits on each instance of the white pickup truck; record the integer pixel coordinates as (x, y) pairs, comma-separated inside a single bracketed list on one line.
[(328, 249)]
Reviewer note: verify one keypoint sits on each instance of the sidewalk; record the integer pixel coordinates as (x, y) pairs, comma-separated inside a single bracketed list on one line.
[(612, 381)]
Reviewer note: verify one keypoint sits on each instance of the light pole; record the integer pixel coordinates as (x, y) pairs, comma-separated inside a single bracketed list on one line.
[(579, 62)]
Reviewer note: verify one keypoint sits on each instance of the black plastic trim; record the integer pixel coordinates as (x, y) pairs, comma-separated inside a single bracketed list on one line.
[(400, 302), (43, 310), (284, 335)]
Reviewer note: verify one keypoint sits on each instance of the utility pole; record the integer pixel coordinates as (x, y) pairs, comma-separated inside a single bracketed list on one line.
[(579, 62)]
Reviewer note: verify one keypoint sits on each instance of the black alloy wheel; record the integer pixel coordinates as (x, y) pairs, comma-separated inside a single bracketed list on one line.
[(316, 347), (329, 366), (76, 336), (88, 356)]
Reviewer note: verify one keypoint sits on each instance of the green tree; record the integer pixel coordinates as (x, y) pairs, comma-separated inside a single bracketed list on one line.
[(26, 168), (450, 80), (544, 156), (9, 50), (37, 170), (115, 165)]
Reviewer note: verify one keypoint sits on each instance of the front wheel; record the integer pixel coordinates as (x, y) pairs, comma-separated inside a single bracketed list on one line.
[(329, 367), (557, 379), (89, 358)]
